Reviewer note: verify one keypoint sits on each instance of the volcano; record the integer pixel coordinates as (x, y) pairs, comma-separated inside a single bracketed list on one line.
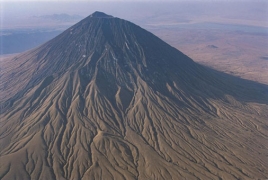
[(107, 99)]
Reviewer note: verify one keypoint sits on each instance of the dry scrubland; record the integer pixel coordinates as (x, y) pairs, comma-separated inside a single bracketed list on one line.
[(122, 104), (237, 53)]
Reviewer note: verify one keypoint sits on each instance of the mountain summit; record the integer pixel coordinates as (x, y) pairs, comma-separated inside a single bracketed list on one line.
[(107, 99), (98, 14)]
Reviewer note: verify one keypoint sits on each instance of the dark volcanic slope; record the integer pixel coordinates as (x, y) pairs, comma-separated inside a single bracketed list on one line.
[(108, 100)]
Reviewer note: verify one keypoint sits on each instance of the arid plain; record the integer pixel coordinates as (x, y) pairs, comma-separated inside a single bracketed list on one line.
[(237, 53)]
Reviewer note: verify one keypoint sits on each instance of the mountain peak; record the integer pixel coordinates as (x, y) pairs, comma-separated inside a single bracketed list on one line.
[(99, 14)]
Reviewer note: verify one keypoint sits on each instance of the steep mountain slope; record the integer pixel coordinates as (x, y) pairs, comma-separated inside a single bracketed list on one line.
[(108, 100)]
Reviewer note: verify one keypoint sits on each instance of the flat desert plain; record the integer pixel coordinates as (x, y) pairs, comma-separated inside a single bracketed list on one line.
[(243, 54)]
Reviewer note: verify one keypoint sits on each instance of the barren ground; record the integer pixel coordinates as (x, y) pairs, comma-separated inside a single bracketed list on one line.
[(237, 53)]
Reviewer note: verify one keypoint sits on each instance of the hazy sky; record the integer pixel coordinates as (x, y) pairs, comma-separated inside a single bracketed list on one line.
[(125, 0), (244, 11)]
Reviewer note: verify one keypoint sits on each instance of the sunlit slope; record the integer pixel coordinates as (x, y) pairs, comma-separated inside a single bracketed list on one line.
[(108, 100)]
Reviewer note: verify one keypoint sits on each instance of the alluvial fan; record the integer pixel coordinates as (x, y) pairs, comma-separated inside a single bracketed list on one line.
[(106, 99)]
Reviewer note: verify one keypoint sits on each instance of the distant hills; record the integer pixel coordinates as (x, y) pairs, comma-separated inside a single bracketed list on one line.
[(60, 17)]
